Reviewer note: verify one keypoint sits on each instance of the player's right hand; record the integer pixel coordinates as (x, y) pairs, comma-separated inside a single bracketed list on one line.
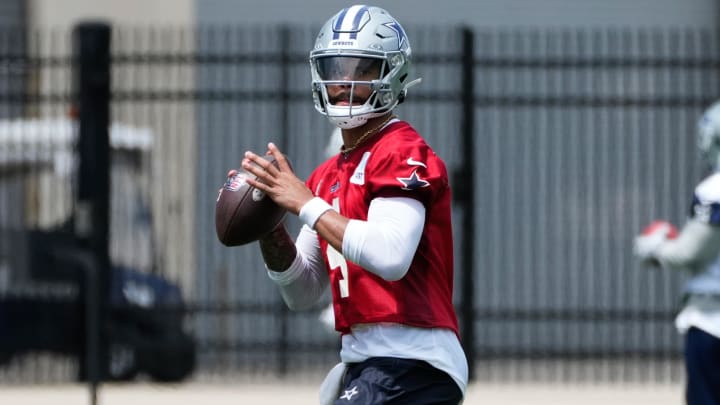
[(646, 244)]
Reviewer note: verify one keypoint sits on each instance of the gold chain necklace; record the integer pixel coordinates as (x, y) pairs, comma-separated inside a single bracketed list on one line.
[(345, 150)]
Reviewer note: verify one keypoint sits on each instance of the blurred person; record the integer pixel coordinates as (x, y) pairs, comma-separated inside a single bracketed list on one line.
[(376, 225), (697, 249)]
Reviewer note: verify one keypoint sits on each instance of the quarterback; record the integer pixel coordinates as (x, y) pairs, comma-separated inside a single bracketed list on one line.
[(376, 225)]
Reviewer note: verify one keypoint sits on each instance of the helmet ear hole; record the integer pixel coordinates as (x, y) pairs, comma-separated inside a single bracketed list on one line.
[(402, 78), (401, 97)]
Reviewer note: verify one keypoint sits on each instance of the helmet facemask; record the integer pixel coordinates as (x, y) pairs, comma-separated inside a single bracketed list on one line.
[(352, 89)]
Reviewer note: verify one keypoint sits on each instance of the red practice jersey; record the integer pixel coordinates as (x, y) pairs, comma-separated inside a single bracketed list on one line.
[(394, 163)]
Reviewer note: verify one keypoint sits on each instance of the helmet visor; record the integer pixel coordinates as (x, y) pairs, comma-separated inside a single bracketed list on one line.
[(349, 68)]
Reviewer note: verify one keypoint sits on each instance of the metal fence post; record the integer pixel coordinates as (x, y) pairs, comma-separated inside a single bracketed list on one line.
[(284, 91), (91, 41), (467, 199)]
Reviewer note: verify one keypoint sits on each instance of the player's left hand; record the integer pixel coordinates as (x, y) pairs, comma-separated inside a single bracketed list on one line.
[(279, 183)]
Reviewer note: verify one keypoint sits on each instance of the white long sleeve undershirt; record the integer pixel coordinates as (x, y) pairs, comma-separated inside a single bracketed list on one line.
[(697, 244), (385, 244)]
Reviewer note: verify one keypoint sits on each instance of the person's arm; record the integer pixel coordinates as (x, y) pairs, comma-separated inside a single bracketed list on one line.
[(697, 244), (278, 249), (296, 267), (385, 244)]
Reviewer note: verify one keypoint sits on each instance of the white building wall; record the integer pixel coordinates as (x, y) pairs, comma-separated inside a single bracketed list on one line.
[(488, 13), (64, 13)]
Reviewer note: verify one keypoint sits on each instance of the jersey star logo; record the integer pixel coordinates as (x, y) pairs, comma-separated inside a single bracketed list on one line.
[(412, 182), (349, 393)]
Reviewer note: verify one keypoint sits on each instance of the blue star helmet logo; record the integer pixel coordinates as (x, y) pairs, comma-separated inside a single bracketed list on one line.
[(399, 32), (413, 182)]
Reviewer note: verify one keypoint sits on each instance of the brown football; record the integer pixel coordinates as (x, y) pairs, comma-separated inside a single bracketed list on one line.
[(243, 213)]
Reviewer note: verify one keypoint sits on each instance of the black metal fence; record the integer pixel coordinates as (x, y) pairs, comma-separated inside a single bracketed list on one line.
[(562, 144)]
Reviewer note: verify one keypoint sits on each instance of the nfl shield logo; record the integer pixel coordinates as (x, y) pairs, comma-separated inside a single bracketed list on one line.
[(234, 183)]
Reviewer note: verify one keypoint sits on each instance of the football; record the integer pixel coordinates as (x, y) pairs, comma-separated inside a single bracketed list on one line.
[(661, 226), (243, 213)]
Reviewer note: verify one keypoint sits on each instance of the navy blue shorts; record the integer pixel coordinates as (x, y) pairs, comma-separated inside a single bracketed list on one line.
[(389, 380), (702, 362)]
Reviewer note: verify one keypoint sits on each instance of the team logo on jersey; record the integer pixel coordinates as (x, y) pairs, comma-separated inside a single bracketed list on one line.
[(702, 213), (335, 186), (413, 182)]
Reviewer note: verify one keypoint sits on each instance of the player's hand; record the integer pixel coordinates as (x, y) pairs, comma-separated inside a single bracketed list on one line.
[(279, 183), (645, 245)]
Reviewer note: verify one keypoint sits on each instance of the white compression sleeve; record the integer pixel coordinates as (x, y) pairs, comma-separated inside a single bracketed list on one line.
[(303, 283), (385, 244), (697, 244)]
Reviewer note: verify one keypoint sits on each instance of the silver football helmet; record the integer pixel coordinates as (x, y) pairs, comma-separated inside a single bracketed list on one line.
[(360, 46), (708, 130)]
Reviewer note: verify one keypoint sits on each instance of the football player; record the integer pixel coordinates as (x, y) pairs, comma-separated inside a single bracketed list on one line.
[(377, 227), (697, 249)]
